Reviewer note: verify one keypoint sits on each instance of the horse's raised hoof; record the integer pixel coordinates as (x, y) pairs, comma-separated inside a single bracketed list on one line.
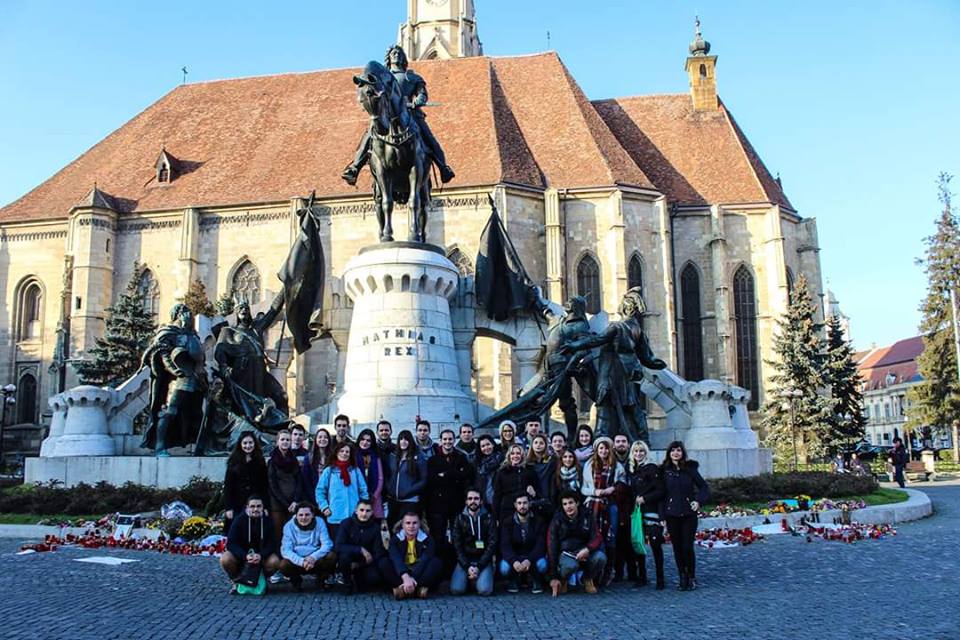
[(350, 175)]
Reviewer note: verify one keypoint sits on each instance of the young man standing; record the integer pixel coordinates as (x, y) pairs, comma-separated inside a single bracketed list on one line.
[(341, 426), (426, 445), (531, 429), (523, 547), (363, 560), (448, 476), (621, 448), (414, 559), (251, 540), (474, 540), (574, 543), (384, 444), (466, 444), (306, 547), (297, 436)]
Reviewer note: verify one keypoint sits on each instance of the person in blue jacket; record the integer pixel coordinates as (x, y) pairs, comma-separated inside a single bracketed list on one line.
[(340, 487), (306, 547)]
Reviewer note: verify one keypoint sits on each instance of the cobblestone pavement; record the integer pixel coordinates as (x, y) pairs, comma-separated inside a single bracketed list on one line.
[(902, 587)]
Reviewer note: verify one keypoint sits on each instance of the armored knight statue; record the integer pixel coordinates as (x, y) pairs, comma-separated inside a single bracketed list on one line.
[(414, 90), (624, 351), (558, 365), (242, 359), (178, 382)]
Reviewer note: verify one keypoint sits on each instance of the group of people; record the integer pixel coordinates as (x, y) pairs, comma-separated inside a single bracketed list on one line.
[(409, 513)]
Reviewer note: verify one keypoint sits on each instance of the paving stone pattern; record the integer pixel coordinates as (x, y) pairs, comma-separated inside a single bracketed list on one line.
[(902, 587)]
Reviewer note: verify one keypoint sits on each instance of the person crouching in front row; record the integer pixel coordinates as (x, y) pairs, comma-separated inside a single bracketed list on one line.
[(414, 558), (364, 563), (251, 540), (573, 544), (306, 547), (474, 540)]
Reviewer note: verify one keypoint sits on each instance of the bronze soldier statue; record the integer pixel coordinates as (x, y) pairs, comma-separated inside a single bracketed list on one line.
[(623, 354), (558, 364), (414, 90), (178, 381)]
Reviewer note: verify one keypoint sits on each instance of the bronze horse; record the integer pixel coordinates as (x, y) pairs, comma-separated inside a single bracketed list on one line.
[(398, 159)]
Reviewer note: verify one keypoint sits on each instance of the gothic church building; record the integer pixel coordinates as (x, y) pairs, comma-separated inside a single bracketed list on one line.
[(664, 192)]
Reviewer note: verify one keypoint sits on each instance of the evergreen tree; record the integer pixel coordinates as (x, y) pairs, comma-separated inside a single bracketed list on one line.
[(197, 301), (129, 329), (840, 374), (936, 400), (797, 413), (225, 304)]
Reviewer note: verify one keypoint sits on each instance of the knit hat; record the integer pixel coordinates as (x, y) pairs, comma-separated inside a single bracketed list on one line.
[(608, 441)]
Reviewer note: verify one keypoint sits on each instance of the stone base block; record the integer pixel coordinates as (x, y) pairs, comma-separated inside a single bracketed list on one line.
[(117, 470)]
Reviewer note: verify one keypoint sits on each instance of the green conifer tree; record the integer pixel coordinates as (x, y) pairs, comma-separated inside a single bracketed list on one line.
[(129, 329), (846, 420), (225, 303), (197, 301), (796, 415), (935, 402)]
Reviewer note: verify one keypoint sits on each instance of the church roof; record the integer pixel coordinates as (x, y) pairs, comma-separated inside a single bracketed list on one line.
[(694, 157), (521, 120)]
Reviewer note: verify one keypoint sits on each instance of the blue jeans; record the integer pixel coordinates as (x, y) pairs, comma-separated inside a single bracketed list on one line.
[(459, 581), (539, 568), (592, 567)]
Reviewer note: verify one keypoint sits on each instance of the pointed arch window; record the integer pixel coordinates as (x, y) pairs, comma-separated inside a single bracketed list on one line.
[(745, 310), (31, 311), (27, 399), (789, 285), (635, 273), (246, 282), (149, 291), (588, 283), (462, 261), (692, 328)]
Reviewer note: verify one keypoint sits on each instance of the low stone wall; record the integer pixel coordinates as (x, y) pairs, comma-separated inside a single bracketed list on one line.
[(917, 506), (163, 473)]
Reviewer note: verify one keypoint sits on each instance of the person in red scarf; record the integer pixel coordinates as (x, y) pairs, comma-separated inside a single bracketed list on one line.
[(340, 488), (603, 478)]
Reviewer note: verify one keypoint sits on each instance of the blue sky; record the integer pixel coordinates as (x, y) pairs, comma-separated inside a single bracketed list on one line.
[(852, 103)]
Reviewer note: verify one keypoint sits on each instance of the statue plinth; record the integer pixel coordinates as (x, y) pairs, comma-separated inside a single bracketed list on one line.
[(401, 358)]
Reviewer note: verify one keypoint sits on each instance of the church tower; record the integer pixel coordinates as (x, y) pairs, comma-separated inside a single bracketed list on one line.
[(702, 71), (440, 29)]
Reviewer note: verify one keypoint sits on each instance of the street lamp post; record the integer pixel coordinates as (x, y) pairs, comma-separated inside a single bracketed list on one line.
[(9, 392), (789, 407)]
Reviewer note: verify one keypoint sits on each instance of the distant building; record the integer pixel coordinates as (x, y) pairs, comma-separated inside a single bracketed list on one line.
[(888, 373)]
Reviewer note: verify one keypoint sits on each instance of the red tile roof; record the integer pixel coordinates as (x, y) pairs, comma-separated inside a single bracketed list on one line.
[(521, 120), (898, 360), (694, 157)]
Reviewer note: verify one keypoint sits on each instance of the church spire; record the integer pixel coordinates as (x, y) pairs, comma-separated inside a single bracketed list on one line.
[(701, 70), (440, 29)]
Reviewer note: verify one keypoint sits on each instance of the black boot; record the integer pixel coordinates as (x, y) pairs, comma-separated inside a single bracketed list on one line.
[(640, 571), (684, 582), (446, 174)]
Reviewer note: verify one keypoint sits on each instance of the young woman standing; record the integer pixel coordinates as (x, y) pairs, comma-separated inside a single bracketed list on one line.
[(408, 478), (513, 478), (246, 476), (646, 486), (370, 465), (684, 491)]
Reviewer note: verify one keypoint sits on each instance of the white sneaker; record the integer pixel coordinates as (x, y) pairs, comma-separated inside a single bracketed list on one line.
[(278, 578)]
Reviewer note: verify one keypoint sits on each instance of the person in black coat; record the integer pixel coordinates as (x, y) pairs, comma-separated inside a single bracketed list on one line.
[(523, 547), (448, 476), (246, 475), (646, 490), (514, 478), (684, 491), (361, 555), (474, 536)]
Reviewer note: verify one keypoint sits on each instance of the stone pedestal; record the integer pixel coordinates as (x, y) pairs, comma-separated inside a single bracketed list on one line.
[(712, 408), (85, 431), (401, 356)]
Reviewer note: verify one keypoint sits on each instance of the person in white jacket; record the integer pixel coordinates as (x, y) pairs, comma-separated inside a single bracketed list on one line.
[(306, 547)]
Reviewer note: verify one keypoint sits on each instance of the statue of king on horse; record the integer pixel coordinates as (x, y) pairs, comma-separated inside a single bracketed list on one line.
[(398, 144)]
